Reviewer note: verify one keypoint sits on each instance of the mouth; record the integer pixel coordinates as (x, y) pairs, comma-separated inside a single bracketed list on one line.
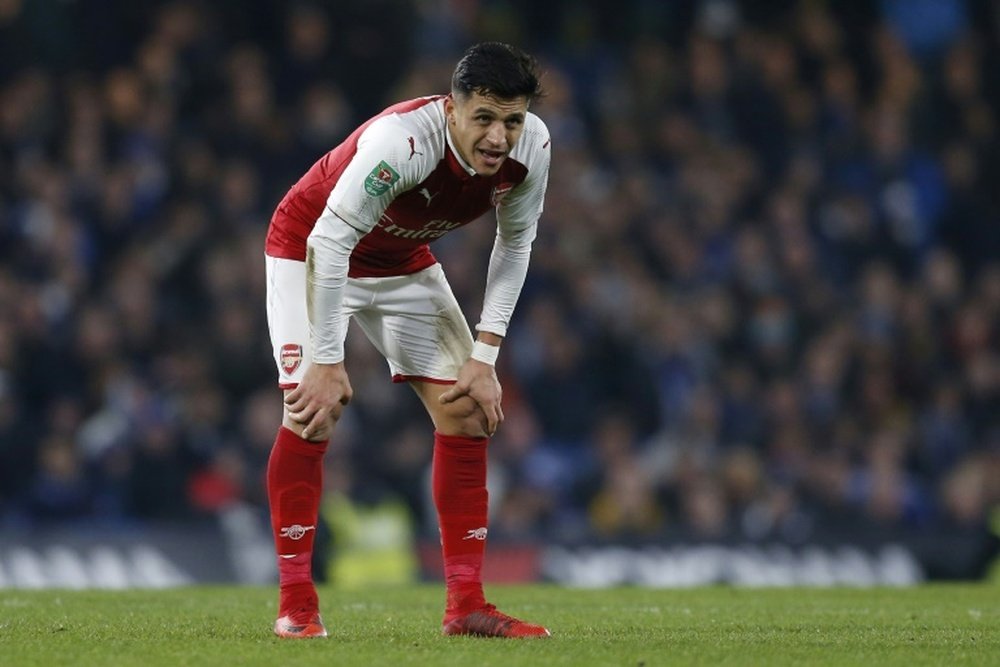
[(490, 157)]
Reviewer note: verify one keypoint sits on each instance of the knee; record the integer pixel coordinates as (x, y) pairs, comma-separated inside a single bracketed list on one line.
[(464, 418), (473, 427), (320, 435)]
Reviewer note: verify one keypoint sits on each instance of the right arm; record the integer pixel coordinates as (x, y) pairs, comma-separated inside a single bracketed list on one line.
[(375, 176)]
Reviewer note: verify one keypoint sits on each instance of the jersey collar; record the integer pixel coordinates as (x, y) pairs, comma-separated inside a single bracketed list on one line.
[(458, 156)]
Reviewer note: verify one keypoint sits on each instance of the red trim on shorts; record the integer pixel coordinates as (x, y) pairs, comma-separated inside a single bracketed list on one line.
[(281, 252), (420, 378), (287, 385)]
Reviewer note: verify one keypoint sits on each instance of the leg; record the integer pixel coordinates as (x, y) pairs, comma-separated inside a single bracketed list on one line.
[(462, 502), (460, 496), (417, 325), (295, 466), (294, 490)]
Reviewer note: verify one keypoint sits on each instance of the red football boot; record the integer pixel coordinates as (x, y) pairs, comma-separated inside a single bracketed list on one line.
[(300, 625), (488, 622)]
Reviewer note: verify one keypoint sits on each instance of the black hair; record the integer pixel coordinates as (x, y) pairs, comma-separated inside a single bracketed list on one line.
[(498, 70)]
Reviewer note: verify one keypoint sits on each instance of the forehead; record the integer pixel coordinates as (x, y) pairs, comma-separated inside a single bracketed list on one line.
[(499, 105)]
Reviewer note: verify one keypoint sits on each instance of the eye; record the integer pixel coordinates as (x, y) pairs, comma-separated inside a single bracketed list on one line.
[(514, 123)]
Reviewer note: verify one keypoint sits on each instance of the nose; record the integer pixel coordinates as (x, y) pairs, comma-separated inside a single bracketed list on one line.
[(496, 134)]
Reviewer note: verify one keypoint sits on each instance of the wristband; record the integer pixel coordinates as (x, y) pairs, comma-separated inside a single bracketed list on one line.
[(485, 352)]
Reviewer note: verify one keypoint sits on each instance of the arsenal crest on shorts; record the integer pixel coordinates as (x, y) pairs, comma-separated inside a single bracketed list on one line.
[(291, 357)]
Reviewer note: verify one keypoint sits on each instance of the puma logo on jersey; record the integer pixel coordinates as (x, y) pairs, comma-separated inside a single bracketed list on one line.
[(427, 195), (413, 148)]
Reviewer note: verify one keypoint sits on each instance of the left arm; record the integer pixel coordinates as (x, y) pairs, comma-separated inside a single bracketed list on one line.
[(517, 223)]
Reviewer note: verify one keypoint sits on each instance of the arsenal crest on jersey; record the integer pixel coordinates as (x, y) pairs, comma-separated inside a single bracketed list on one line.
[(499, 192), (291, 357)]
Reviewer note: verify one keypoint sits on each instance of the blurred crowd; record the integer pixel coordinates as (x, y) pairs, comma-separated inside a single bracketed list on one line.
[(764, 298)]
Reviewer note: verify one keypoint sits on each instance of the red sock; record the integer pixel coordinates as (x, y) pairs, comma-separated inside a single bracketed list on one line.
[(459, 482), (294, 487)]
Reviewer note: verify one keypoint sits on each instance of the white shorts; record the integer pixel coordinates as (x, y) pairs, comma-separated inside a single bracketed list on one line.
[(414, 321)]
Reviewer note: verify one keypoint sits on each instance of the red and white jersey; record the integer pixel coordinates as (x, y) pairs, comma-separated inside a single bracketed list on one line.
[(370, 206), (398, 177)]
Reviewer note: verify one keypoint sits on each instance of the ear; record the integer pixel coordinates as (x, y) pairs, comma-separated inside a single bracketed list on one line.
[(449, 107)]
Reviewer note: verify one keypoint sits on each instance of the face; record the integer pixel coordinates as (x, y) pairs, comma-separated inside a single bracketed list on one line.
[(484, 128)]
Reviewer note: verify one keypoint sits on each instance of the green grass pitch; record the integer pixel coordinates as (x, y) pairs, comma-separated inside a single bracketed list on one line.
[(632, 627)]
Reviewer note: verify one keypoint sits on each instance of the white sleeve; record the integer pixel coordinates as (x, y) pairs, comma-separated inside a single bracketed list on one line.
[(517, 223), (377, 174)]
